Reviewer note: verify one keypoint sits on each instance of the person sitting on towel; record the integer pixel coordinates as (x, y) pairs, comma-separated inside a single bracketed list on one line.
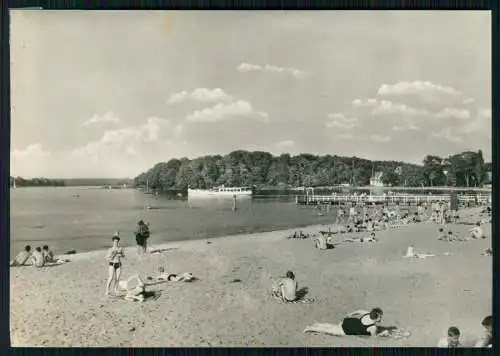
[(22, 257), (286, 288), (486, 339), (37, 258), (477, 232), (452, 339)]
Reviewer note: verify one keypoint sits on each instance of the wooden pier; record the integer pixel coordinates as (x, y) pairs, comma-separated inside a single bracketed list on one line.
[(403, 199)]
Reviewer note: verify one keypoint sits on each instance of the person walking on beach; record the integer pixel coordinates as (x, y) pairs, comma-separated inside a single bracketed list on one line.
[(141, 236), (22, 257), (114, 256)]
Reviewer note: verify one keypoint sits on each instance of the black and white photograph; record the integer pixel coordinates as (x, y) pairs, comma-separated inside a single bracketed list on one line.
[(250, 179)]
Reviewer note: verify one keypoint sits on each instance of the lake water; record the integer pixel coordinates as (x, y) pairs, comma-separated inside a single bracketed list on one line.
[(56, 217)]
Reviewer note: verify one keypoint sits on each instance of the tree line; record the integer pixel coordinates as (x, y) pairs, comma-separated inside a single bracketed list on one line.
[(262, 170), (36, 182)]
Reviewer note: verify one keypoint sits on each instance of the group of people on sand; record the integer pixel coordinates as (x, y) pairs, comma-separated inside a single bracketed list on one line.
[(42, 256)]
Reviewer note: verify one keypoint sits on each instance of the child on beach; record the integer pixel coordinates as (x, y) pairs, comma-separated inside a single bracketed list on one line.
[(37, 258), (22, 257), (486, 339), (286, 288), (114, 263), (452, 339)]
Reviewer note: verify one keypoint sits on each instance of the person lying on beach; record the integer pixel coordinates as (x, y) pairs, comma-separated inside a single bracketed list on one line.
[(286, 288), (370, 238), (359, 322), (22, 257), (114, 256), (441, 235), (477, 232), (487, 252), (487, 339), (452, 339), (37, 258), (173, 277), (410, 253), (134, 292), (49, 256)]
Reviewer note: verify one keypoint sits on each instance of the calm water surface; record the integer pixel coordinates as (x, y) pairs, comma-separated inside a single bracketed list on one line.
[(55, 216)]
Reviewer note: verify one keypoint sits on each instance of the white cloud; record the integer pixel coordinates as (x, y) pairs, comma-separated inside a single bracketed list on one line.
[(479, 124), (460, 114), (345, 136), (469, 101), (409, 127), (341, 121), (388, 108), (200, 94), (226, 112), (124, 139), (178, 130), (486, 113), (378, 138), (448, 135), (285, 143), (33, 151), (363, 103), (247, 67), (418, 88), (30, 162), (108, 117)]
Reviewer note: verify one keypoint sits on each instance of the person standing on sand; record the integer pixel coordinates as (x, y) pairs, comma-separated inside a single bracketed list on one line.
[(114, 256), (22, 257), (141, 236)]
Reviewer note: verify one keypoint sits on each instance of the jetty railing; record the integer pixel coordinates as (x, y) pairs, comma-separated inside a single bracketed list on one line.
[(393, 198)]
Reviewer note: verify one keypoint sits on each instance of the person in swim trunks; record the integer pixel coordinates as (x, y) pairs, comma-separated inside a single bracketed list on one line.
[(361, 322), (114, 256)]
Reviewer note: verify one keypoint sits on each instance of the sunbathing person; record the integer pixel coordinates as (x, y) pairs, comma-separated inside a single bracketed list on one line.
[(441, 234), (134, 292), (22, 257), (452, 339), (37, 258), (477, 232), (286, 288), (370, 238), (49, 256), (487, 339), (172, 277), (359, 322)]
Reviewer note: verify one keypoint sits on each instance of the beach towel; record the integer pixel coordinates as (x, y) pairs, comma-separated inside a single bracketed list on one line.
[(304, 300)]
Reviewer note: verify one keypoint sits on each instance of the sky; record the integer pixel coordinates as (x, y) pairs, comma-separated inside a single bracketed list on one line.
[(110, 94)]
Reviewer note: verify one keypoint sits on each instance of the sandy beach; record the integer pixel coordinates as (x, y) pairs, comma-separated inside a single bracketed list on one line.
[(65, 305)]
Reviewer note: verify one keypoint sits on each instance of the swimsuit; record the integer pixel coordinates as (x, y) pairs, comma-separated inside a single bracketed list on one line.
[(354, 326), (115, 265)]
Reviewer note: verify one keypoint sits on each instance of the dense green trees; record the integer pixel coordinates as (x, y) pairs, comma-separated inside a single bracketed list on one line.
[(261, 169), (36, 182)]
